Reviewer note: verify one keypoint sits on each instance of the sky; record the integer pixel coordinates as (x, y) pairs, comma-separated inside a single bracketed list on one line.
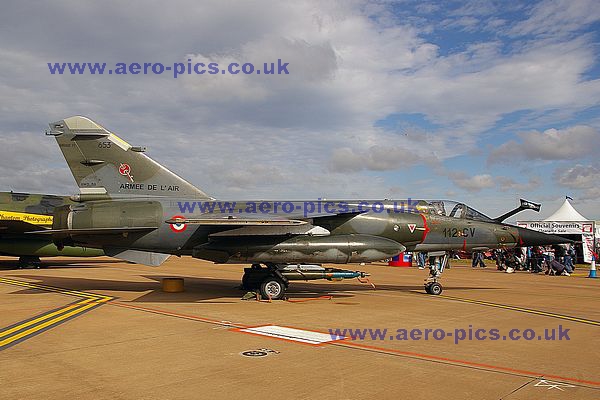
[(483, 102)]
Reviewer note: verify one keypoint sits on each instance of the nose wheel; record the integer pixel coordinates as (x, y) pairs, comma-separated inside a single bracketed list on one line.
[(434, 288)]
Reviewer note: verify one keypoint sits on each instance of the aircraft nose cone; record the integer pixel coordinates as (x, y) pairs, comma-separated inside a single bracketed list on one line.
[(530, 237)]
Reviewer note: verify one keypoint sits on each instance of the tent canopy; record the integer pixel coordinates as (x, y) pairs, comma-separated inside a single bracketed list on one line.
[(566, 212)]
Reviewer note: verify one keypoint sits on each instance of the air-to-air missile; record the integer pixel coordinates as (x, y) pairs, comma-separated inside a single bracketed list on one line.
[(254, 276), (137, 210)]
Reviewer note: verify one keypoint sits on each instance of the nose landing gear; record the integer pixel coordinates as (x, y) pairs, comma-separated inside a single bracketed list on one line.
[(437, 263)]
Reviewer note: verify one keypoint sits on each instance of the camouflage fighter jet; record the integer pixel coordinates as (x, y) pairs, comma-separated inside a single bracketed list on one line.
[(21, 213), (137, 210)]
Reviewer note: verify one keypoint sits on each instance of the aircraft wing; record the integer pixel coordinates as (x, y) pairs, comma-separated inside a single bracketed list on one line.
[(265, 226)]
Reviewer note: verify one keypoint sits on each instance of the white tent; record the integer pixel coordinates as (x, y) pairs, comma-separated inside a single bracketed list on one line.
[(566, 212), (568, 222)]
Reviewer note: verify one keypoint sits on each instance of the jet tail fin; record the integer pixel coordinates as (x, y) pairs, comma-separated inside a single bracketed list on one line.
[(106, 166)]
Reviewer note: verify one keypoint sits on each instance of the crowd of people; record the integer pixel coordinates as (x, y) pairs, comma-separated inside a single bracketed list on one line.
[(552, 260)]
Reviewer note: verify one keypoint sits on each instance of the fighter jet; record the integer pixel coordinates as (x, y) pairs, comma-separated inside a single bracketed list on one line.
[(21, 213), (135, 209)]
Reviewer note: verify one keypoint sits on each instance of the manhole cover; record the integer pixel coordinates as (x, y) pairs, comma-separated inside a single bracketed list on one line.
[(254, 353)]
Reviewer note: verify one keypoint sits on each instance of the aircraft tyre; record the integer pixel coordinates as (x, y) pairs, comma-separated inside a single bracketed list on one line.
[(29, 261), (246, 281), (434, 288), (272, 288)]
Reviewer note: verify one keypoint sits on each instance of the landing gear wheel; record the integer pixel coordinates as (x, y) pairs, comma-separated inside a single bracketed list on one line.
[(245, 282), (272, 288), (434, 288), (29, 261)]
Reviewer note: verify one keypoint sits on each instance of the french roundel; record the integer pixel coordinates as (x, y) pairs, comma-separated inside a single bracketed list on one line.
[(178, 227)]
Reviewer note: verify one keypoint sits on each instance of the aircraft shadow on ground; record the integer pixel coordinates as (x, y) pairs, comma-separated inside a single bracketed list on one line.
[(214, 290), (59, 264)]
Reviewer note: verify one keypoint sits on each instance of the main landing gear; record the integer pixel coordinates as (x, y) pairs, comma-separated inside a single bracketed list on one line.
[(437, 263), (272, 280), (29, 261), (268, 281)]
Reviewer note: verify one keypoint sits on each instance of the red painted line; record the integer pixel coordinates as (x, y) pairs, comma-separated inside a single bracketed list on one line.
[(469, 363), (178, 315), (426, 228), (349, 344)]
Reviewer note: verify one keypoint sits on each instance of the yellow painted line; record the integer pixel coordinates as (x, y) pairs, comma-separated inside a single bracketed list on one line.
[(55, 317), (45, 324), (521, 309), (46, 288), (40, 319), (49, 288), (54, 289)]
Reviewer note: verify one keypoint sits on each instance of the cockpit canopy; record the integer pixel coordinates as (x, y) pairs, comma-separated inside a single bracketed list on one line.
[(452, 209)]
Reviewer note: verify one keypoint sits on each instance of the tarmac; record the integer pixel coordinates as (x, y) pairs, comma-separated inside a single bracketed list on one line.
[(103, 329)]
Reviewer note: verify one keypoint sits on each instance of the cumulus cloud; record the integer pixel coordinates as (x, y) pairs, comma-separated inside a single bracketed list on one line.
[(558, 17), (579, 176), (479, 182), (506, 184), (473, 183), (27, 166), (552, 144), (584, 178), (375, 158), (311, 132)]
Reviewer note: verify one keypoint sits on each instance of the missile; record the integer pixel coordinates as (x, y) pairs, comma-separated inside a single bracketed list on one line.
[(331, 274)]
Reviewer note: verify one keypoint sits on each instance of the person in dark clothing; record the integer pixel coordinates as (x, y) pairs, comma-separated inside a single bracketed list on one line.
[(512, 261), (573, 254), (529, 259), (421, 259), (499, 259), (570, 253), (553, 267), (559, 253), (538, 259), (477, 260)]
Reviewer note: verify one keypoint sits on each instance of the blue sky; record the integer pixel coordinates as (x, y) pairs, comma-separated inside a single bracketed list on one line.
[(478, 101)]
